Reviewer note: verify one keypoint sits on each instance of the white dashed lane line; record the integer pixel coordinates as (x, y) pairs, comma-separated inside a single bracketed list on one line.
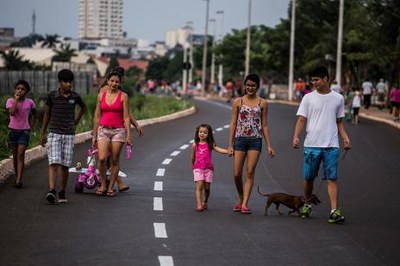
[(166, 260), (184, 147), (160, 172), (157, 204), (158, 186), (166, 161), (159, 230), (175, 153)]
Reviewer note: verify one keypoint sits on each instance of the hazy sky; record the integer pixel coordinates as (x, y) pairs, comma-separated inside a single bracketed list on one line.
[(142, 19)]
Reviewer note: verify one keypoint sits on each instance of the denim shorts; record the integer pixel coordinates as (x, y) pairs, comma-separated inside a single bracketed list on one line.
[(18, 137), (247, 144), (313, 158)]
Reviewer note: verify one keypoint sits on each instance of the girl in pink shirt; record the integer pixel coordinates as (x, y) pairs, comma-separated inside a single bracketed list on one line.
[(22, 113), (203, 168)]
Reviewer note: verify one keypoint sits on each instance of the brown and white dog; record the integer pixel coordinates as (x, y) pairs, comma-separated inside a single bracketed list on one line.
[(292, 202)]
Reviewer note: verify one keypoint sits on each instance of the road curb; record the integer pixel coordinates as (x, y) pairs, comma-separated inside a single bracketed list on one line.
[(38, 152)]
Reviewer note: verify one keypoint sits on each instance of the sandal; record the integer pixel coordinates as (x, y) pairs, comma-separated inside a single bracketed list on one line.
[(122, 189), (245, 210), (100, 192), (110, 194), (237, 207)]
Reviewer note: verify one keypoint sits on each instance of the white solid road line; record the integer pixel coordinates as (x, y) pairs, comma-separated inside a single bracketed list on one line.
[(157, 204), (159, 230), (160, 172), (166, 260), (158, 186)]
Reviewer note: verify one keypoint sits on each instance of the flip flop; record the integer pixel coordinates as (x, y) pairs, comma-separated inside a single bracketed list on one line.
[(125, 188), (110, 194), (237, 208), (200, 208), (245, 211), (100, 192)]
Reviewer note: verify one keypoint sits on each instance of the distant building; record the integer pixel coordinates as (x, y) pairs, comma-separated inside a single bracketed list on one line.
[(6, 32), (180, 36), (100, 19)]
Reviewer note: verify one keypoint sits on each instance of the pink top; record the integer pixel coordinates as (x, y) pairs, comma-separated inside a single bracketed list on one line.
[(112, 115), (20, 119), (202, 157), (395, 95)]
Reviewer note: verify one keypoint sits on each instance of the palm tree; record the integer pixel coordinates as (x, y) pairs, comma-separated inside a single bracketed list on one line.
[(50, 41), (64, 54), (14, 61)]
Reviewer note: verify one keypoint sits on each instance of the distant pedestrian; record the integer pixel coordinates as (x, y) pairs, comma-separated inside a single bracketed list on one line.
[(367, 92), (356, 105), (248, 127), (299, 88), (381, 91), (111, 126), (60, 117), (203, 168), (322, 111), (22, 111), (395, 102), (335, 87)]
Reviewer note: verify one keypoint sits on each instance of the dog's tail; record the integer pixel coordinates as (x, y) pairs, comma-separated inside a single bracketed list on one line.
[(258, 190)]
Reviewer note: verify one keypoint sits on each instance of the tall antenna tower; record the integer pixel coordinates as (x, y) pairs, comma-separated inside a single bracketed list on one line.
[(34, 22)]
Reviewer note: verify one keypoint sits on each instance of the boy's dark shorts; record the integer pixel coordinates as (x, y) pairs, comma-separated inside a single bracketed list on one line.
[(247, 144), (18, 137)]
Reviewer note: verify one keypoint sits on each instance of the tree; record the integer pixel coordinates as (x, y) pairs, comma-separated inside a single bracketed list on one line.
[(14, 61), (50, 41), (64, 54)]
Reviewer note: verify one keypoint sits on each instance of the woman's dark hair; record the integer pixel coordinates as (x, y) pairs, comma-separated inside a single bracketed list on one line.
[(23, 82), (65, 75), (210, 138), (253, 77), (119, 69), (114, 73)]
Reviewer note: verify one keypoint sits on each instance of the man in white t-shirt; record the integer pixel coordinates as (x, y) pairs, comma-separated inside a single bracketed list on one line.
[(367, 88), (322, 111)]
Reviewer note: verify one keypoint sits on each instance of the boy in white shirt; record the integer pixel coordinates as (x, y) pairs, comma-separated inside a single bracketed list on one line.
[(322, 111)]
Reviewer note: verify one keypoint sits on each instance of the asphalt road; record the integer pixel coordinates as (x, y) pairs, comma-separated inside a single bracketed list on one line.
[(155, 222)]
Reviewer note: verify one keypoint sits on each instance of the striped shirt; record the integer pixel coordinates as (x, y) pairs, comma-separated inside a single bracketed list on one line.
[(62, 112)]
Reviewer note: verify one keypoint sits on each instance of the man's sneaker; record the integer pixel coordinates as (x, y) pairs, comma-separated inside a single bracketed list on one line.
[(336, 216), (51, 196), (61, 197), (305, 211)]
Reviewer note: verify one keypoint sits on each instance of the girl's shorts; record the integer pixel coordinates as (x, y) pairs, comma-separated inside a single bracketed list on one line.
[(312, 161), (247, 143), (60, 149), (355, 110), (111, 134), (18, 137), (205, 175)]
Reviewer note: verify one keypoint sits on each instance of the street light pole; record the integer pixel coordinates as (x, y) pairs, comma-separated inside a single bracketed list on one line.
[(220, 67), (204, 64), (247, 67), (190, 78), (291, 60), (212, 79), (339, 45)]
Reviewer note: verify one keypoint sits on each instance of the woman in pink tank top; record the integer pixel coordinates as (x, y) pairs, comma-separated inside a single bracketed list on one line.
[(111, 126)]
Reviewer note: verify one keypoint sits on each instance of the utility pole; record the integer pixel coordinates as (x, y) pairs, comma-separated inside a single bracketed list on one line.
[(204, 64), (33, 22), (291, 60), (220, 67), (247, 67), (212, 79), (339, 45)]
